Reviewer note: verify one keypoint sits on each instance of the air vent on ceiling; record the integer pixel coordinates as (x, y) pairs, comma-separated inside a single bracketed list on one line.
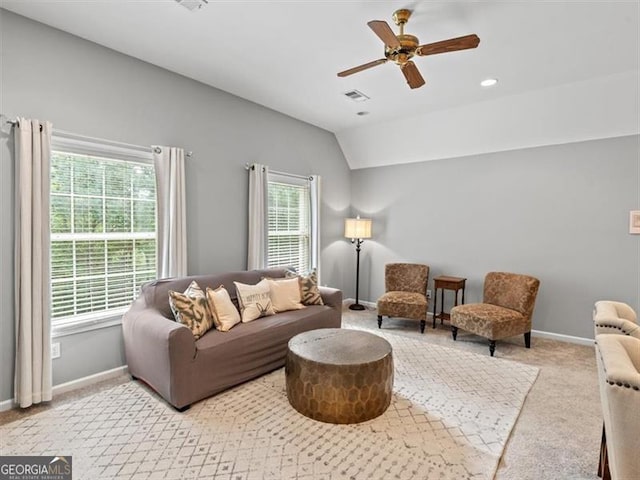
[(356, 96), (193, 4)]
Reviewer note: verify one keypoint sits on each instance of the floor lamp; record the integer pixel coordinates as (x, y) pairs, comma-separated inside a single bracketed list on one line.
[(357, 229)]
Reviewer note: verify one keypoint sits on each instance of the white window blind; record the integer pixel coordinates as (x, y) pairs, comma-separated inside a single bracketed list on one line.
[(289, 216), (103, 233)]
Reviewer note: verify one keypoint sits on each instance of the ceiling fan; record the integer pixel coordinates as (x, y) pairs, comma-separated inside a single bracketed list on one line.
[(401, 48)]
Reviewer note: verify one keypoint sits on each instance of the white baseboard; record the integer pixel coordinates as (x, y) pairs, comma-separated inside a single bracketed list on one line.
[(6, 405), (536, 333), (90, 380), (75, 384), (589, 342)]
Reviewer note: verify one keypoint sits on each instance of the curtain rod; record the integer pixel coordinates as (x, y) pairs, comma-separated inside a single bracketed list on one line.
[(284, 174), (76, 136)]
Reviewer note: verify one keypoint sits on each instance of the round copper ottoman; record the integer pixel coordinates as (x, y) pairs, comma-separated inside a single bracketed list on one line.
[(336, 375)]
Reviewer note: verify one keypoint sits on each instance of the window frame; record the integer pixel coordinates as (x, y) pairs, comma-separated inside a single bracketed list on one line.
[(274, 178), (78, 145), (313, 214)]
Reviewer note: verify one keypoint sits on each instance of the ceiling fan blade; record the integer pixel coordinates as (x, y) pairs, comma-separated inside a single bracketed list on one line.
[(383, 30), (451, 45), (360, 68), (412, 74)]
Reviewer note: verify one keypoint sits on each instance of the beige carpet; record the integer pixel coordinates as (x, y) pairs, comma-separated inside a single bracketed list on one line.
[(450, 418)]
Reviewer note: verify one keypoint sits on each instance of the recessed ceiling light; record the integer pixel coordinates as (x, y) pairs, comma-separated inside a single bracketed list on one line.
[(489, 82)]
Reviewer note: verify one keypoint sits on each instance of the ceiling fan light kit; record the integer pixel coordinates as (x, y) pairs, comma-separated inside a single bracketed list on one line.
[(401, 48)]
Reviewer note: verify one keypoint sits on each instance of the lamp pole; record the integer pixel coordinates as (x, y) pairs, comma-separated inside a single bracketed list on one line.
[(357, 306)]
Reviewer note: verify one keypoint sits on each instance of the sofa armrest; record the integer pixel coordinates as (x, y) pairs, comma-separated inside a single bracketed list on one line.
[(625, 311), (620, 358), (609, 308), (616, 325), (158, 350), (331, 297)]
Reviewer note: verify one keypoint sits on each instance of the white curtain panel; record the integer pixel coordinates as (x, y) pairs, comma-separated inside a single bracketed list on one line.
[(258, 217), (316, 205), (32, 240), (172, 211)]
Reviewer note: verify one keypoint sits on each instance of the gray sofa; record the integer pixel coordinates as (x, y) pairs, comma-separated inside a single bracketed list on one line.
[(164, 354)]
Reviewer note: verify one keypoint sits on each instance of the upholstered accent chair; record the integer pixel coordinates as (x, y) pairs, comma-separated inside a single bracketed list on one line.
[(406, 292), (618, 358), (615, 317), (505, 311)]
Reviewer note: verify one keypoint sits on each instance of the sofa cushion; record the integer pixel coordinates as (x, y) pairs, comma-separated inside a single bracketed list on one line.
[(490, 321), (293, 320), (285, 294), (403, 304), (190, 308), (224, 312), (309, 292), (254, 300)]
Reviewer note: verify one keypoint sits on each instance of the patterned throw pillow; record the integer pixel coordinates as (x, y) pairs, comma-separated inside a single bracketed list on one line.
[(308, 287), (190, 308), (254, 300), (285, 294), (225, 315)]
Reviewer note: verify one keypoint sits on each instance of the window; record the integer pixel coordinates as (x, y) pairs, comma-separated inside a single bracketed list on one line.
[(290, 239), (103, 232)]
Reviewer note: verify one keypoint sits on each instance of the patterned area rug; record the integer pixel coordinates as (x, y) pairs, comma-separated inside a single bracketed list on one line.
[(450, 418)]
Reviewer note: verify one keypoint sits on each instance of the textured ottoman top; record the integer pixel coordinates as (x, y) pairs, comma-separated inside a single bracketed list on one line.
[(339, 346)]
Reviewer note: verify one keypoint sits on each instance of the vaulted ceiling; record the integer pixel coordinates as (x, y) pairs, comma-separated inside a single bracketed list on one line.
[(550, 59)]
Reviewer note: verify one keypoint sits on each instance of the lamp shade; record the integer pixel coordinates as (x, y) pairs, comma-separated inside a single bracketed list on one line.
[(357, 227)]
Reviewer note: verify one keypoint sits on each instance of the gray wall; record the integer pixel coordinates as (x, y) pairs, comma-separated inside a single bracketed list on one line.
[(90, 90), (560, 213)]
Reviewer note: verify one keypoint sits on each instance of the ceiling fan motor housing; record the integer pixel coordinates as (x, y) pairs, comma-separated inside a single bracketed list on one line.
[(408, 45)]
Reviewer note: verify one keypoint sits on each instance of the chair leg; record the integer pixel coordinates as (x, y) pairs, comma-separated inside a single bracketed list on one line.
[(454, 332), (422, 324), (527, 339), (492, 347), (379, 321), (603, 449), (603, 464)]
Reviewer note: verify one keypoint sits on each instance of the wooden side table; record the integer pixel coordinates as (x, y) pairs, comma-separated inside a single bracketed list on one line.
[(443, 283)]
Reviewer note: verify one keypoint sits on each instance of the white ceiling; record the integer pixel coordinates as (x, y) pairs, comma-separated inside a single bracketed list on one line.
[(285, 54)]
